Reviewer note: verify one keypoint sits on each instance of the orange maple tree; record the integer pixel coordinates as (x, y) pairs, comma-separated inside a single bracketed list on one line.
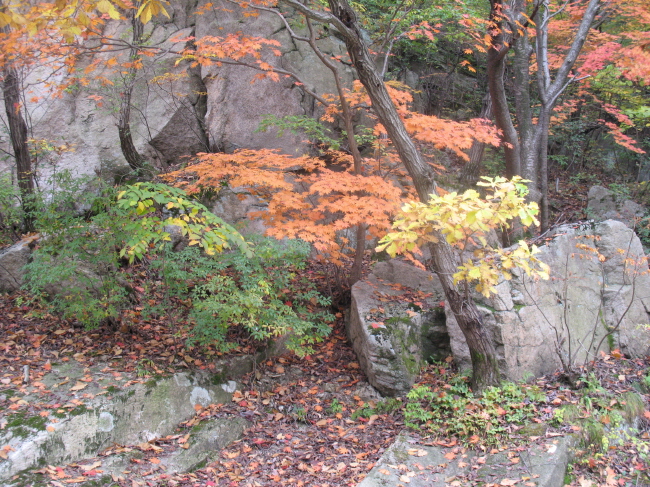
[(318, 201)]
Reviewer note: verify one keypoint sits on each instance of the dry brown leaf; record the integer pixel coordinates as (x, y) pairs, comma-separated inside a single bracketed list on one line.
[(79, 386), (417, 452), (450, 455)]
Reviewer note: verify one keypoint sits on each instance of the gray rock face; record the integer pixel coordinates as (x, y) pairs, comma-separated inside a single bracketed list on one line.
[(391, 337), (603, 204), (599, 284), (426, 466), (132, 416), (235, 207), (12, 261), (189, 109), (598, 299), (206, 443)]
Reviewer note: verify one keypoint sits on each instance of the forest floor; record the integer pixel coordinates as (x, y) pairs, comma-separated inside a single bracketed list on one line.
[(318, 423)]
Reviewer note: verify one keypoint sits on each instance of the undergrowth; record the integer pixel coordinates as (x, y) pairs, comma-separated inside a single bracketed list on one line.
[(452, 410), (114, 263)]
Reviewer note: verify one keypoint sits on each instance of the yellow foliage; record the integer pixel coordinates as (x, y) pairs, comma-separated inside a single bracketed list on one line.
[(465, 219)]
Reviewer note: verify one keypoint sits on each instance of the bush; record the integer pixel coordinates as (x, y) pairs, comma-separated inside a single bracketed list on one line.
[(227, 283), (10, 211), (263, 293), (453, 410)]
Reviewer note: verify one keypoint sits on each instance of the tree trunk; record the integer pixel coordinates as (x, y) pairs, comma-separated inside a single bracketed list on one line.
[(470, 173), (496, 67), (18, 133), (360, 235), (131, 154), (198, 96), (484, 359)]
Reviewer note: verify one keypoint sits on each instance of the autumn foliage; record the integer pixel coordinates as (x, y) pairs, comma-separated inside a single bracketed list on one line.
[(317, 199)]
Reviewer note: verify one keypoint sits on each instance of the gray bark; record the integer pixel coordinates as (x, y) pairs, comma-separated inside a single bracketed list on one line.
[(131, 154), (530, 141), (18, 133)]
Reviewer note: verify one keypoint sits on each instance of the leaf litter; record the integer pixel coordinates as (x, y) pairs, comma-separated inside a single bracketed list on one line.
[(304, 429)]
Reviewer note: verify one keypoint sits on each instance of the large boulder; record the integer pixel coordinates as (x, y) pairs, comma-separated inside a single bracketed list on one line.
[(186, 109), (396, 323), (603, 204), (598, 299), (12, 261)]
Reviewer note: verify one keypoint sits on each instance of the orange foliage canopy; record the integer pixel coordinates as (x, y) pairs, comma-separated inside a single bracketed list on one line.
[(306, 200), (316, 203)]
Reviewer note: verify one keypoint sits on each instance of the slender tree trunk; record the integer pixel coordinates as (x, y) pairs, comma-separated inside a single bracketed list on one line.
[(484, 358), (541, 147), (18, 133), (496, 66), (131, 154), (360, 234), (521, 71), (198, 96), (470, 173)]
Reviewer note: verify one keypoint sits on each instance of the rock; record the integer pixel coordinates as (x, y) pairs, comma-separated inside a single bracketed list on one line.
[(12, 261), (603, 204), (131, 416), (180, 137), (178, 240), (207, 439), (599, 283), (189, 109), (392, 338), (545, 460), (235, 206)]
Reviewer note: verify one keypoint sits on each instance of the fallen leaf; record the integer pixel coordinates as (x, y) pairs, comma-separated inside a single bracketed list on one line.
[(93, 466), (4, 451), (417, 452), (508, 482), (79, 386), (154, 460)]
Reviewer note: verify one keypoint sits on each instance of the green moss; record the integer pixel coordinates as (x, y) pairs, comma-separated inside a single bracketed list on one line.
[(22, 425), (218, 378), (632, 405), (104, 481), (79, 410), (517, 307), (200, 465), (112, 389), (569, 414), (593, 434)]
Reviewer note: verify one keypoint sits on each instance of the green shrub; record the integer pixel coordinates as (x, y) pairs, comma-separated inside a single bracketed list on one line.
[(263, 293), (10, 211), (227, 283), (453, 410)]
